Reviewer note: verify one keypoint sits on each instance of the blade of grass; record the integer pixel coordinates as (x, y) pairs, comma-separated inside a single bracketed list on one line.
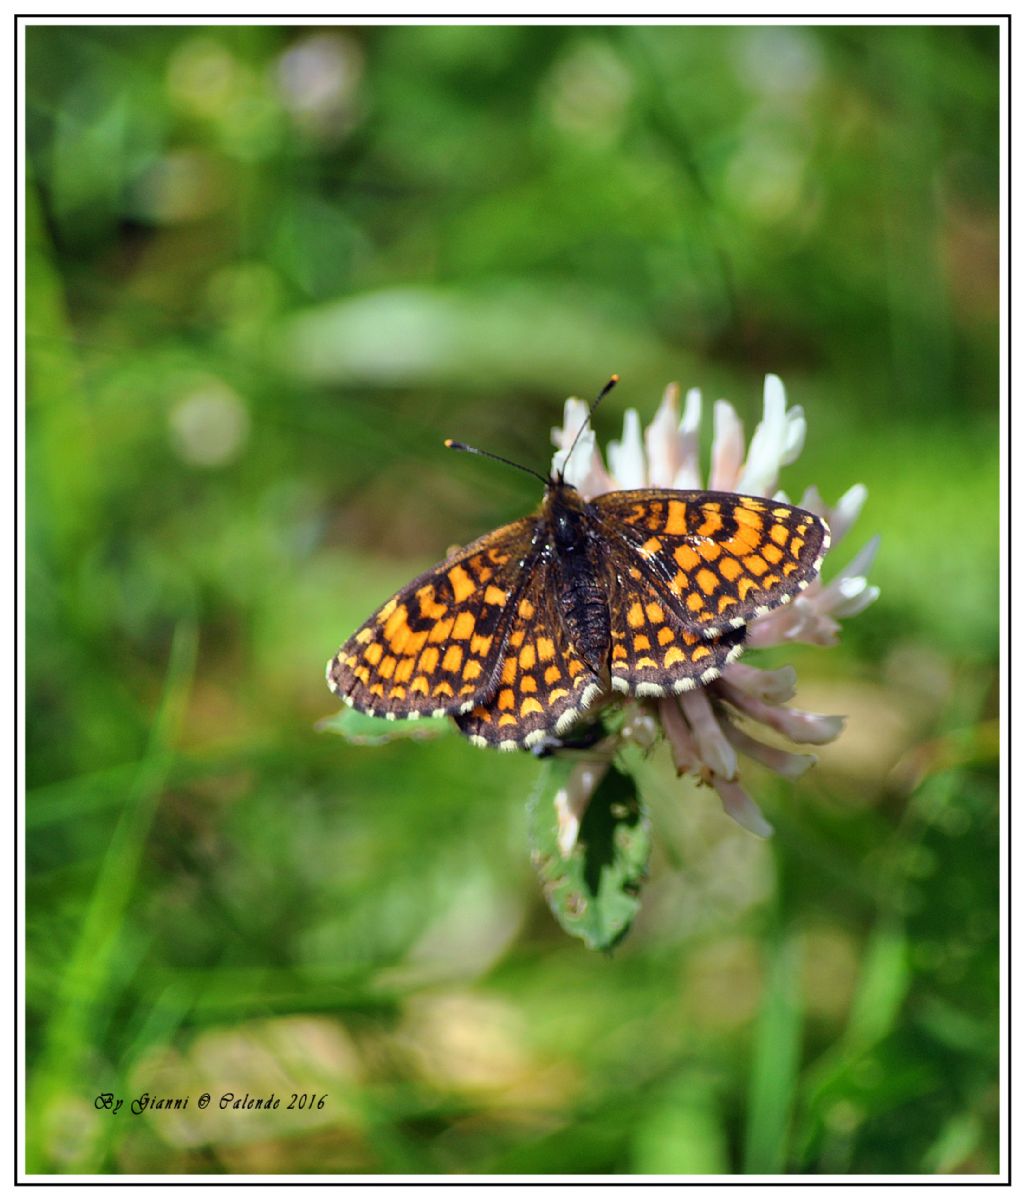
[(775, 1065), (85, 991)]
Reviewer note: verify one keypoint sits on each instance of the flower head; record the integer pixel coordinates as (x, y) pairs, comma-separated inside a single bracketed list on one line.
[(701, 726)]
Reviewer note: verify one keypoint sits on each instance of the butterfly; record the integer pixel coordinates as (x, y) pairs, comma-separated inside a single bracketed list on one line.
[(517, 635)]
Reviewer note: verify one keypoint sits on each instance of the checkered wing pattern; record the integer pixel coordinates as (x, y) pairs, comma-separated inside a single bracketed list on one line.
[(544, 685), (716, 559), (653, 652), (435, 648)]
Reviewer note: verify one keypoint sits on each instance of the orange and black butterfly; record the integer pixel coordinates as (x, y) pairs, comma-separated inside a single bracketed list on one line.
[(517, 635)]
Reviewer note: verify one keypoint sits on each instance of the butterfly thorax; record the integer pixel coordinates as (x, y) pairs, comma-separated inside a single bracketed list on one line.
[(577, 572)]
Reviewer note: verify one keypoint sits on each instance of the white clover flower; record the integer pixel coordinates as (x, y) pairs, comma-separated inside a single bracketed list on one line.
[(700, 725)]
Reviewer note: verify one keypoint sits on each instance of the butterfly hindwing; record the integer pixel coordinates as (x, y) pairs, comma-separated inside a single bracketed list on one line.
[(719, 559), (435, 647), (653, 652), (544, 686)]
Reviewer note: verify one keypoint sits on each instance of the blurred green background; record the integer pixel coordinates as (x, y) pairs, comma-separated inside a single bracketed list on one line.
[(269, 269)]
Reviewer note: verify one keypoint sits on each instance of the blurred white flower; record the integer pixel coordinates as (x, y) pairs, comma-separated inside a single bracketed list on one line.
[(700, 726)]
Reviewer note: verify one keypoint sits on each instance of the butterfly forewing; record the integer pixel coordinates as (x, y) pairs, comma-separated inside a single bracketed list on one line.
[(718, 559), (436, 646)]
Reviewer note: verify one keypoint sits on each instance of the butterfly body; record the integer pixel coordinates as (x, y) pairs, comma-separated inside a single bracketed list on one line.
[(516, 635)]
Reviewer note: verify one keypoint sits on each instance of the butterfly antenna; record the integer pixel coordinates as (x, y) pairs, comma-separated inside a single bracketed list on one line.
[(469, 449), (590, 412)]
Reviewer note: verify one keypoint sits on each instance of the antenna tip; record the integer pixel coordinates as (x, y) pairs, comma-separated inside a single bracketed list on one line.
[(449, 444), (614, 379)]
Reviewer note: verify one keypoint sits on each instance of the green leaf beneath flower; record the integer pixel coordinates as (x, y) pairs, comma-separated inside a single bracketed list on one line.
[(360, 729), (593, 890)]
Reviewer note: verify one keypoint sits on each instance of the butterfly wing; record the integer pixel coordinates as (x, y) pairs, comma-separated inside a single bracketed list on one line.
[(437, 645), (653, 652), (544, 686), (716, 559)]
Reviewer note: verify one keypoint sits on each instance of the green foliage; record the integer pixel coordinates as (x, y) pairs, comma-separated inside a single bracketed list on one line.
[(593, 887), (269, 270)]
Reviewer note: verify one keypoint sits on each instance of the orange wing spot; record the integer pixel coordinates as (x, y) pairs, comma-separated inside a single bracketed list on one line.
[(790, 567), (724, 602), (634, 573), (452, 659), (641, 642), (377, 689), (545, 649), (755, 564), (428, 660), (517, 639), (527, 657), (745, 585), (506, 700), (419, 684), (695, 601), (508, 670), (386, 611), (465, 623), (680, 583), (441, 630), (374, 652), (553, 673), (472, 671), (505, 719), (444, 688), (484, 574), (665, 635), (795, 546), (387, 667), (730, 569), (744, 541), (710, 551), (415, 642), (770, 582), (362, 674), (529, 705), (482, 714), (462, 584), (771, 552), (674, 655), (398, 692), (497, 557), (557, 694), (618, 655), (495, 595), (430, 609), (802, 528), (707, 580), (655, 613), (749, 516), (647, 662), (480, 645), (779, 534), (575, 666), (526, 609), (527, 683), (635, 616), (403, 670), (690, 638), (686, 557), (712, 523), (675, 519), (396, 621), (698, 652), (783, 512), (651, 546)]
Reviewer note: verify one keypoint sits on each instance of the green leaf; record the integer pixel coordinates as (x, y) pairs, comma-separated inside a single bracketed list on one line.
[(360, 729), (593, 889)]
